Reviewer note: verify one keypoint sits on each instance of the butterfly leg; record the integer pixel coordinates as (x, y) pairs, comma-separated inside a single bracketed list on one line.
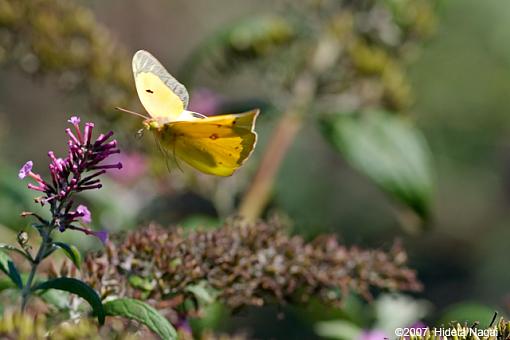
[(175, 159), (164, 153)]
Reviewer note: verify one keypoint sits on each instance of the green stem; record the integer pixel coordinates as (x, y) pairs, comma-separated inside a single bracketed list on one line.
[(27, 289)]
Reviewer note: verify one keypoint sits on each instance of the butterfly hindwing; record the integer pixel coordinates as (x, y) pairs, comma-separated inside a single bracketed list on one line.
[(215, 145), (162, 95)]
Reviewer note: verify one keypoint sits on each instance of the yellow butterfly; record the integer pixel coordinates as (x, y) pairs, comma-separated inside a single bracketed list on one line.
[(216, 145)]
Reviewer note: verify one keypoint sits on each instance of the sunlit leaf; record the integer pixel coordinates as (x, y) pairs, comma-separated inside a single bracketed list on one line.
[(56, 298), (389, 150), (141, 283), (71, 252), (203, 292), (338, 329), (141, 312), (79, 288)]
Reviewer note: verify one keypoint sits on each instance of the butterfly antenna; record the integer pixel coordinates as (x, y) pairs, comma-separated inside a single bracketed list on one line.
[(132, 112)]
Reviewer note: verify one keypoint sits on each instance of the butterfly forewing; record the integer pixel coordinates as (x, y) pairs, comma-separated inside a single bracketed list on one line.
[(161, 94)]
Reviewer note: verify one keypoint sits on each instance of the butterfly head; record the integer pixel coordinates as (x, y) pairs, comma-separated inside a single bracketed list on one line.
[(151, 124)]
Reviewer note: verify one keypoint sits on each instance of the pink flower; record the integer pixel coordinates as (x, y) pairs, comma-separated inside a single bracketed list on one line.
[(102, 235), (25, 169), (74, 120), (86, 217)]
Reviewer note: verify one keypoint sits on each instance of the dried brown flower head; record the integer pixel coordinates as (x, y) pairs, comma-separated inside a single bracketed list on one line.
[(243, 265)]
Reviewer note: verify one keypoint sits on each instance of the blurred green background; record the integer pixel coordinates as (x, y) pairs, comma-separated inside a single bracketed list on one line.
[(461, 82)]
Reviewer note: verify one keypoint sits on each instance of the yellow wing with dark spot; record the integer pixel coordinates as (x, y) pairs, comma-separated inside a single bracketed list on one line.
[(161, 95), (216, 145)]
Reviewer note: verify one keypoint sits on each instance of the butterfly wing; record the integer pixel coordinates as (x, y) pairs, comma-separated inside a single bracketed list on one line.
[(161, 95), (216, 145)]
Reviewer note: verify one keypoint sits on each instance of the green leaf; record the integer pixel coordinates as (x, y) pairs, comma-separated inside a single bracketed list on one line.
[(210, 317), (205, 294), (389, 150), (15, 249), (141, 312), (56, 298), (338, 329), (6, 283), (79, 288), (71, 252), (141, 283), (8, 267)]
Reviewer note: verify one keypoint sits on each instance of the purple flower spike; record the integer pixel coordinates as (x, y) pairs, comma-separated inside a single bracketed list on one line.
[(25, 169), (80, 170), (86, 216)]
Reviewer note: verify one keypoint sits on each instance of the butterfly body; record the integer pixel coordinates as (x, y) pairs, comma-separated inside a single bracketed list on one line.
[(216, 145)]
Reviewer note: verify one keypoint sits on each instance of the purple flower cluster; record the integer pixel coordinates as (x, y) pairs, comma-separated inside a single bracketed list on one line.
[(79, 171)]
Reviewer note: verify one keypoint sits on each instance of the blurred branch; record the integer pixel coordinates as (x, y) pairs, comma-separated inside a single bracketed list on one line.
[(257, 195), (63, 39), (322, 60)]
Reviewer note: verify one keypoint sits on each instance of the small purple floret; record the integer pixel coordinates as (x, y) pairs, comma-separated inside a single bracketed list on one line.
[(74, 120), (102, 235), (25, 169), (86, 216)]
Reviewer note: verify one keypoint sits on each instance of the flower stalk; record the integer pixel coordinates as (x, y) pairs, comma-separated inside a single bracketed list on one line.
[(25, 293)]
